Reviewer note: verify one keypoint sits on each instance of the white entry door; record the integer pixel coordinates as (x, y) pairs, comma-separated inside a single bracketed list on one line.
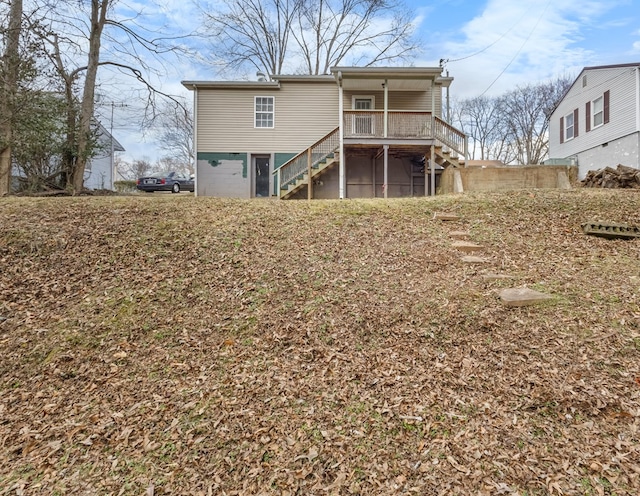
[(363, 124)]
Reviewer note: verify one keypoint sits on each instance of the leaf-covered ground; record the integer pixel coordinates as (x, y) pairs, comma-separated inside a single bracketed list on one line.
[(163, 345)]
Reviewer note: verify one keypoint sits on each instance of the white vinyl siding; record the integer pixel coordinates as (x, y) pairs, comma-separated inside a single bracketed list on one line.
[(264, 110), (620, 82)]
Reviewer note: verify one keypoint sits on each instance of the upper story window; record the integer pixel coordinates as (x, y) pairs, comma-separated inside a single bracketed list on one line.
[(569, 127), (598, 112), (597, 107), (264, 111)]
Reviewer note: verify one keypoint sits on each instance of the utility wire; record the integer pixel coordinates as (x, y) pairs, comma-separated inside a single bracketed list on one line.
[(490, 45), (519, 49)]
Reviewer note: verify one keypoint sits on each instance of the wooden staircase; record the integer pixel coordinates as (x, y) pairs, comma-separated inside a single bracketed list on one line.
[(446, 157), (323, 155), (308, 165), (303, 180)]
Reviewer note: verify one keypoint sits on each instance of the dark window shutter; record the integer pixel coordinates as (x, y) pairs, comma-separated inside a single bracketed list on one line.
[(588, 116), (561, 129), (575, 123), (606, 106)]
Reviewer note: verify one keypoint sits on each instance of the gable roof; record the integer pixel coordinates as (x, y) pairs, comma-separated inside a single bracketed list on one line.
[(612, 66), (592, 68), (104, 133)]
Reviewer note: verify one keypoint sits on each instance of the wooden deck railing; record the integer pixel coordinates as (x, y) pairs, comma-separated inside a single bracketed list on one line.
[(299, 165), (403, 125), (450, 136)]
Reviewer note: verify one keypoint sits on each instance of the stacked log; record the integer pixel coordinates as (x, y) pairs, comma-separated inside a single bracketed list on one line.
[(620, 177)]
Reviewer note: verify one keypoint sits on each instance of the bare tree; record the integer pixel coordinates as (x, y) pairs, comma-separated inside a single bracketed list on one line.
[(526, 112), (480, 118), (9, 68), (168, 164), (133, 170), (309, 36), (330, 32), (75, 51), (253, 33), (513, 127), (174, 126)]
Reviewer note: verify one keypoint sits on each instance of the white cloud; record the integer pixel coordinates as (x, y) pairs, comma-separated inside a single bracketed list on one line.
[(520, 42)]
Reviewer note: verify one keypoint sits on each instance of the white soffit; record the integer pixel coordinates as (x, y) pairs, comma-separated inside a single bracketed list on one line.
[(376, 84)]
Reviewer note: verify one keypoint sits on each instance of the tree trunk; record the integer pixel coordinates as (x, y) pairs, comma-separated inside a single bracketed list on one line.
[(98, 19), (8, 93)]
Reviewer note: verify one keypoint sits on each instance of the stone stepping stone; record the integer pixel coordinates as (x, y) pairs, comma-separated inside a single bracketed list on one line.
[(496, 277), (522, 297), (445, 216), (466, 246), (460, 235), (471, 259)]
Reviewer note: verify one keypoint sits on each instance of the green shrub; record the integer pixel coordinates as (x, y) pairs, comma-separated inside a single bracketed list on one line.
[(125, 186)]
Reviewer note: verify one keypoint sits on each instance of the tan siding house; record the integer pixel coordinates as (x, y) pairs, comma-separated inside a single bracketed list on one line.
[(359, 132)]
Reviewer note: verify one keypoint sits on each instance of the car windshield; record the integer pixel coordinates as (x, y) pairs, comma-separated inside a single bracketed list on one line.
[(159, 174)]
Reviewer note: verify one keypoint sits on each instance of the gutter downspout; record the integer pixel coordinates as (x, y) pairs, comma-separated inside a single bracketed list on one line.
[(195, 140), (341, 192)]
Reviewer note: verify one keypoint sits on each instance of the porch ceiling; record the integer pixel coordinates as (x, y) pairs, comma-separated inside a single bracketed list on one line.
[(376, 84), (398, 78)]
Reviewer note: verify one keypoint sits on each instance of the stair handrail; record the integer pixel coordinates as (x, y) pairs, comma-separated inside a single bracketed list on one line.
[(450, 136), (294, 168)]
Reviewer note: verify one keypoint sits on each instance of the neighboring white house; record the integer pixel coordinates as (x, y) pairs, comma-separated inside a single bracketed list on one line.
[(359, 132), (99, 172), (597, 123)]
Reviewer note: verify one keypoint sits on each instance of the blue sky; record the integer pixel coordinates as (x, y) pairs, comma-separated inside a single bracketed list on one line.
[(491, 45)]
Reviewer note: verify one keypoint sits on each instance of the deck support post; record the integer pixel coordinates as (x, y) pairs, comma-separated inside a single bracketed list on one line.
[(385, 186), (432, 166), (373, 176), (342, 163), (309, 178), (279, 181)]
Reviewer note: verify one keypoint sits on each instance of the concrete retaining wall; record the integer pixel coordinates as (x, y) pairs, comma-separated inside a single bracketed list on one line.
[(507, 178)]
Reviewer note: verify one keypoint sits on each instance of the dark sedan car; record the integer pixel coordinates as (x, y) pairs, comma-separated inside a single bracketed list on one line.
[(166, 181)]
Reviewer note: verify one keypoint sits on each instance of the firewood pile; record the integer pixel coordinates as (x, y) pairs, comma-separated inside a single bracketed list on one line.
[(620, 177)]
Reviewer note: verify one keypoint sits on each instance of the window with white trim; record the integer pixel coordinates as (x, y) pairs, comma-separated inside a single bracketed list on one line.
[(597, 109), (264, 111), (569, 129)]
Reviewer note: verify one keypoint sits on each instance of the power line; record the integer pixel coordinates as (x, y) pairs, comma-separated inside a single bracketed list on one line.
[(519, 49), (490, 45)]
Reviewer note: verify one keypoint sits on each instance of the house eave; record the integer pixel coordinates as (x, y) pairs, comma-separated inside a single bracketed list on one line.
[(388, 72), (396, 78), (247, 85), (303, 78)]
